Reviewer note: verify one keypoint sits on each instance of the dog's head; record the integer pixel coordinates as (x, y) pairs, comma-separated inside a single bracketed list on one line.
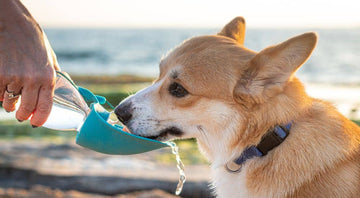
[(208, 85)]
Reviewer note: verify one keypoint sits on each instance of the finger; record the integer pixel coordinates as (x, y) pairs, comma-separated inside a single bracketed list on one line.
[(29, 98), (9, 102), (43, 107), (2, 88), (2, 92)]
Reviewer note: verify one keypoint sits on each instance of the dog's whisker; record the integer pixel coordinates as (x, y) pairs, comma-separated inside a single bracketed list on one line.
[(202, 130)]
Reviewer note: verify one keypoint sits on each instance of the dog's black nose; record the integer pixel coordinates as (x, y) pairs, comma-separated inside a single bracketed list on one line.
[(124, 112)]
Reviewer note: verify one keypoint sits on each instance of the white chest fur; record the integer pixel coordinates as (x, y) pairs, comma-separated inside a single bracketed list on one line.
[(230, 185)]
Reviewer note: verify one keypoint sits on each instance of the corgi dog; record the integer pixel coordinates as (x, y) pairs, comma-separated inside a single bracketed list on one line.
[(252, 119)]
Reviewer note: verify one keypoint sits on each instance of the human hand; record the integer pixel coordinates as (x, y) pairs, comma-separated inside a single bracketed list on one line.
[(27, 64)]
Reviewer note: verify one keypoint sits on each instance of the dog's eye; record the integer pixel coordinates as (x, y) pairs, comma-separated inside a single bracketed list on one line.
[(177, 90)]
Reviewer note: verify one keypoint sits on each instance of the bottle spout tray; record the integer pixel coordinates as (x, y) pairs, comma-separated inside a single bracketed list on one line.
[(99, 135)]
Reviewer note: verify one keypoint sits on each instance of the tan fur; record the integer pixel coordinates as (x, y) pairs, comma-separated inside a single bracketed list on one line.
[(235, 96)]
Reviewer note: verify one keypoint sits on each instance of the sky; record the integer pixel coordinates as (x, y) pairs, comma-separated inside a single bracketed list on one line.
[(195, 13)]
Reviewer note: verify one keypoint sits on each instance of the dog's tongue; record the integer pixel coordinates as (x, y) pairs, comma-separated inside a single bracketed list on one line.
[(126, 129)]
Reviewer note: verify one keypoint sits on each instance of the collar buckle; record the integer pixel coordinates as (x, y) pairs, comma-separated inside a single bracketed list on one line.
[(233, 167)]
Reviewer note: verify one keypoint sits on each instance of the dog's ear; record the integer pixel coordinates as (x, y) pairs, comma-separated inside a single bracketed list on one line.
[(270, 69), (235, 29)]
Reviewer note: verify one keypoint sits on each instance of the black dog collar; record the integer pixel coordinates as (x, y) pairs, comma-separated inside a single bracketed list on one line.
[(269, 141)]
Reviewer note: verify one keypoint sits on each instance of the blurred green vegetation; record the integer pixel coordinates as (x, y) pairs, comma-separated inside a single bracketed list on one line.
[(113, 98), (113, 88), (15, 131), (188, 150), (110, 79)]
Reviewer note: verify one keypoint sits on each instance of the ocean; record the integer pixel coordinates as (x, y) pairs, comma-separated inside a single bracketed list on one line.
[(336, 59)]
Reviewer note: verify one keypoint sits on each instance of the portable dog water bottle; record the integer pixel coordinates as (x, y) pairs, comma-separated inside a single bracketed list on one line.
[(71, 112), (95, 129)]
